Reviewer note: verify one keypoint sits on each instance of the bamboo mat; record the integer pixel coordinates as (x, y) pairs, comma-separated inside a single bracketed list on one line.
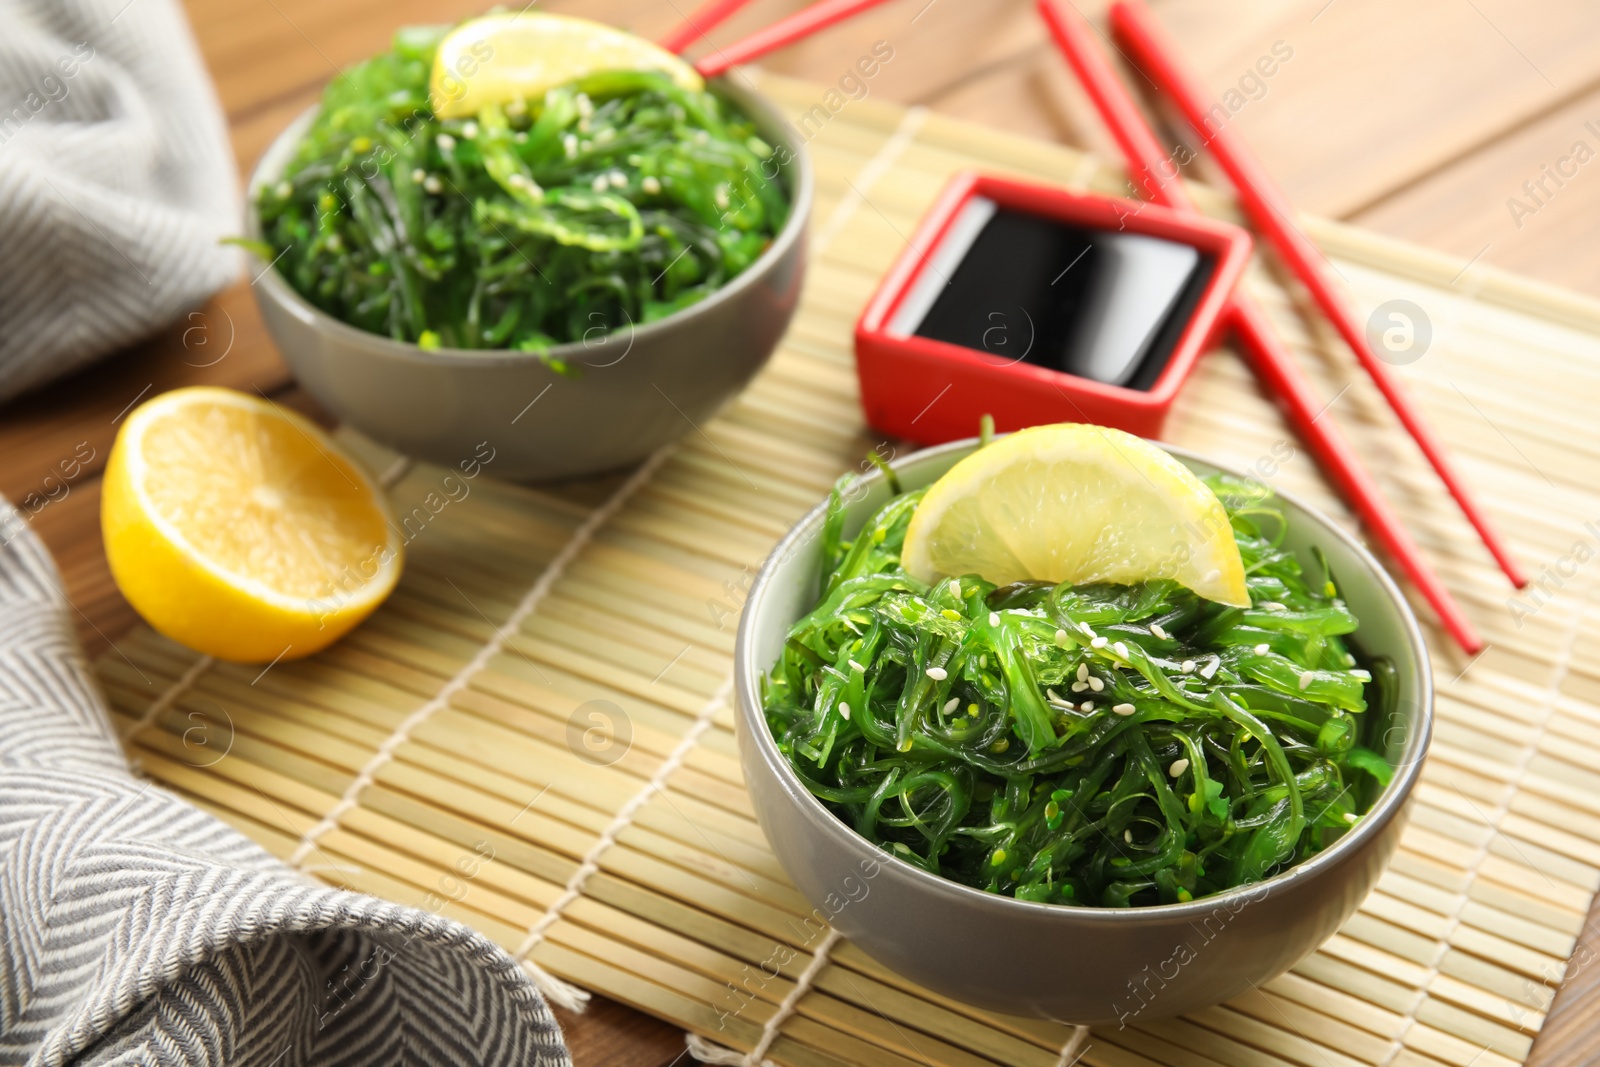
[(532, 735)]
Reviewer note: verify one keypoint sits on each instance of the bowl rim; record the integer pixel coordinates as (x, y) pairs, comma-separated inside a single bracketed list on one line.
[(769, 120), (1388, 806)]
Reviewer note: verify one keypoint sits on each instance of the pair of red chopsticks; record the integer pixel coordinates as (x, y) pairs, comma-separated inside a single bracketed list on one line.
[(784, 32), (1148, 47)]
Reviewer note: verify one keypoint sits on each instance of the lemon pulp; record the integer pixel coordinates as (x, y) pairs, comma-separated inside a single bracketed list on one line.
[(511, 56), (239, 528), (1076, 503)]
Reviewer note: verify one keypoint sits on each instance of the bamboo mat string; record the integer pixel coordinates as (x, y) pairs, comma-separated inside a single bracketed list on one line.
[(1089, 166), (875, 168), (394, 472), (707, 1052), (1076, 1046), (1514, 786), (159, 706), (624, 818)]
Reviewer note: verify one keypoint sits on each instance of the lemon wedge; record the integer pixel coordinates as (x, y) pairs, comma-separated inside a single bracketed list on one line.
[(1075, 503), (513, 55), (239, 529)]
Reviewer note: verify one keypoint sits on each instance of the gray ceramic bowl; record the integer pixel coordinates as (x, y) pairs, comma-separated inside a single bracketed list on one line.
[(1080, 965), (637, 388)]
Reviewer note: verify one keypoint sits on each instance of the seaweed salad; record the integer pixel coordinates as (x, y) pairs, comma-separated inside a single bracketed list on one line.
[(610, 201), (1098, 744)]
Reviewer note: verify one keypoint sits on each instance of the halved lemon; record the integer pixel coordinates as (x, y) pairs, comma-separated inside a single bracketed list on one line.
[(1075, 503), (238, 528), (521, 55)]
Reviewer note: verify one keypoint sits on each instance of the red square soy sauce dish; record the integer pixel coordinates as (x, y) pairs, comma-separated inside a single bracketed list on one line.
[(966, 323)]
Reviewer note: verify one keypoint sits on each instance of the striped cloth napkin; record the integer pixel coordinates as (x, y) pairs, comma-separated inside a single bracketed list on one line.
[(116, 181), (136, 929)]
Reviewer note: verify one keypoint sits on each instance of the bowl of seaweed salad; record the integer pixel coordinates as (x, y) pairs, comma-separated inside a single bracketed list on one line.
[(1093, 803), (629, 245)]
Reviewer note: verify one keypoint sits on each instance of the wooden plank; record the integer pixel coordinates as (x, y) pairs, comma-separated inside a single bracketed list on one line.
[(1509, 205)]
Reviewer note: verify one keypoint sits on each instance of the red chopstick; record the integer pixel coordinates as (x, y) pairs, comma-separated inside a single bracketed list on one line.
[(1149, 46), (803, 23), (701, 21), (1278, 371)]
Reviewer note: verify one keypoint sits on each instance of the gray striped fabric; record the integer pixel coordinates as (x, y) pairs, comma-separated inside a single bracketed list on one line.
[(137, 929), (116, 182)]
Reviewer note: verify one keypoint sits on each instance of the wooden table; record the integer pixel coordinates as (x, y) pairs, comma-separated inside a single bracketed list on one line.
[(1450, 123)]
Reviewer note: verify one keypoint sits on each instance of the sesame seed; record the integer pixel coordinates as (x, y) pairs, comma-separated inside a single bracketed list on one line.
[(1124, 709), (938, 674), (335, 242), (844, 709), (994, 618), (599, 183), (1351, 817), (1098, 642), (1349, 660), (517, 108), (470, 131), (1305, 681), (283, 189), (419, 175), (1121, 649), (1096, 684), (952, 704), (1272, 605), (1178, 767), (955, 588), (1127, 836), (1263, 648), (1085, 628), (1078, 687), (1210, 669), (651, 186), (619, 180), (1087, 705), (584, 104), (445, 142), (1188, 666), (569, 144), (1083, 672), (856, 666), (432, 184), (1053, 696), (1061, 637), (1160, 633), (1212, 576)]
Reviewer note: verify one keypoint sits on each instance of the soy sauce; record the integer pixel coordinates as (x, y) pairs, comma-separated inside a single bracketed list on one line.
[(1100, 304)]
